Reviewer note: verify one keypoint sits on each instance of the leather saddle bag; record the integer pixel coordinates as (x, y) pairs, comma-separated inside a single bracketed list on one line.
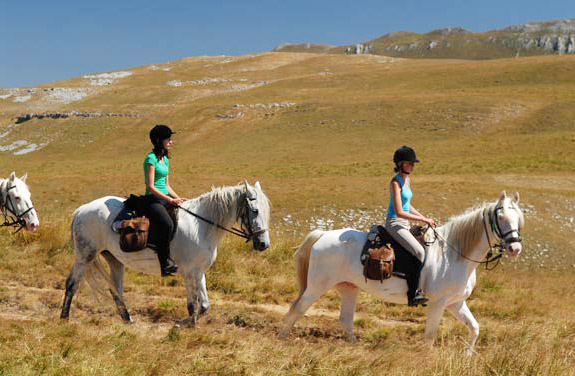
[(379, 263), (134, 234)]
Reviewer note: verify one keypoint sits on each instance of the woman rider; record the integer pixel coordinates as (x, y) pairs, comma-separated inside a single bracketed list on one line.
[(159, 194), (400, 211)]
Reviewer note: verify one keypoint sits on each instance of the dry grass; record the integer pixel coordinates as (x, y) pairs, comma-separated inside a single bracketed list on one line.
[(479, 127), (526, 318)]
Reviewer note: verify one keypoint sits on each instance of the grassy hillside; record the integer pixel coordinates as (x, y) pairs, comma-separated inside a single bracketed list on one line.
[(319, 132)]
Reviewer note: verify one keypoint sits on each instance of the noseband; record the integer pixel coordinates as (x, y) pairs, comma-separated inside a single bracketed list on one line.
[(9, 212)]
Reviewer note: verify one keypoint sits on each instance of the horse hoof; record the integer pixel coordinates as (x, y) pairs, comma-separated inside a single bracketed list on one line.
[(187, 323), (282, 335)]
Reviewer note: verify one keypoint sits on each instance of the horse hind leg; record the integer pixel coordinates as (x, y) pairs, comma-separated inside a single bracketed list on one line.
[(348, 293), (72, 284), (300, 306), (117, 277)]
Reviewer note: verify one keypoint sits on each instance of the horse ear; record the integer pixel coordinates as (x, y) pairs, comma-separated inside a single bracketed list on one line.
[(516, 197), (12, 176), (502, 196), (23, 178), (258, 186), (246, 185)]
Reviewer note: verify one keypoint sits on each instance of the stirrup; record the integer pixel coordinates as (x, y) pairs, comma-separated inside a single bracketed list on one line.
[(418, 299), (169, 268)]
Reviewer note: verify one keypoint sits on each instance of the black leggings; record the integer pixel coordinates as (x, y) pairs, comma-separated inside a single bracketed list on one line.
[(162, 226)]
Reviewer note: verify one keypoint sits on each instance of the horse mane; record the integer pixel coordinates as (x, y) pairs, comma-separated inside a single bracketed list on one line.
[(465, 230), (219, 203)]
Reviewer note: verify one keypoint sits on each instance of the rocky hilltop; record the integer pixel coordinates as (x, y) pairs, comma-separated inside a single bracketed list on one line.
[(533, 38)]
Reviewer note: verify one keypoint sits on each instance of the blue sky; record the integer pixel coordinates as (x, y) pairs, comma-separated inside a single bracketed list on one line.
[(45, 41)]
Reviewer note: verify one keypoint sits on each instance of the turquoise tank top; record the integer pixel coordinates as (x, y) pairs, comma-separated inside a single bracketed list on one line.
[(406, 195), (160, 173)]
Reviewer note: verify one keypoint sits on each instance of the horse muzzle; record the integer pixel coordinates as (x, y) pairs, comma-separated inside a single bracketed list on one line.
[(514, 249), (261, 242)]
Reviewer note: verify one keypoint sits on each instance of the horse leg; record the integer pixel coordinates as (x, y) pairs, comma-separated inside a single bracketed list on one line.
[(463, 314), (204, 301), (348, 293), (117, 277), (72, 284), (434, 313), (301, 305)]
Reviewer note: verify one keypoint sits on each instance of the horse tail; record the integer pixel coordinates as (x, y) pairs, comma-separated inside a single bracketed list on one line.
[(301, 258), (98, 279)]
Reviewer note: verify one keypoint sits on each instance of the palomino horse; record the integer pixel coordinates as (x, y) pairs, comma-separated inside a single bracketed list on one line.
[(194, 247), (16, 202), (329, 259)]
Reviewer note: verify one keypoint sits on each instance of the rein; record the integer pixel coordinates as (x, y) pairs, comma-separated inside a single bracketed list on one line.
[(243, 213), (9, 221), (239, 232)]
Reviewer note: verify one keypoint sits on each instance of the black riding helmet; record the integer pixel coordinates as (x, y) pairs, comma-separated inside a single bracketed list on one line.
[(160, 133), (404, 154)]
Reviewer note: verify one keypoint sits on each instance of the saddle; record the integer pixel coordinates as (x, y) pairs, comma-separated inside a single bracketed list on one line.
[(136, 230), (382, 256)]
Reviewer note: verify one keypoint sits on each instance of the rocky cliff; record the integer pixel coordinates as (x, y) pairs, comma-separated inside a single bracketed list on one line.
[(533, 38)]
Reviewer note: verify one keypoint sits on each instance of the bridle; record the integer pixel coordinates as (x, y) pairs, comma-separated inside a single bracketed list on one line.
[(245, 212), (9, 212), (503, 237), (496, 251)]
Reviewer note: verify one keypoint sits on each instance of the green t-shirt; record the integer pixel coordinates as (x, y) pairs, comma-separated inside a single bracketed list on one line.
[(161, 171)]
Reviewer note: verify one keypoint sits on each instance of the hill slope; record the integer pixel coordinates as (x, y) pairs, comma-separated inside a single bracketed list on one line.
[(318, 130)]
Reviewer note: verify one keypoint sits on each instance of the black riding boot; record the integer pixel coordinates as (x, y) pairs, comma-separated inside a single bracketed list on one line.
[(167, 265), (415, 296)]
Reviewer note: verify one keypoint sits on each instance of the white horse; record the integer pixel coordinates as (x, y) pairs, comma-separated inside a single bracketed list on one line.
[(194, 247), (329, 259), (16, 202)]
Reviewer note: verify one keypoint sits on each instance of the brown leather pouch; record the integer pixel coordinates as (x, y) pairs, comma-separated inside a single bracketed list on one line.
[(379, 264), (134, 234)]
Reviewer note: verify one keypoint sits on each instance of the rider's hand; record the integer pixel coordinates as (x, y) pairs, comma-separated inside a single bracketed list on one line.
[(429, 221), (177, 201)]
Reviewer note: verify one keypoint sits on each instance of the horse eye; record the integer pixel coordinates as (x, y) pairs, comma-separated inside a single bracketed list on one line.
[(18, 198)]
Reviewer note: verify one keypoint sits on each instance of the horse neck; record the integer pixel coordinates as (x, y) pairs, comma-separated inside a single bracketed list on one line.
[(219, 206), (466, 238)]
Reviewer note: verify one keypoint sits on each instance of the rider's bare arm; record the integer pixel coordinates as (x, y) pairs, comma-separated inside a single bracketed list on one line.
[(396, 189)]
